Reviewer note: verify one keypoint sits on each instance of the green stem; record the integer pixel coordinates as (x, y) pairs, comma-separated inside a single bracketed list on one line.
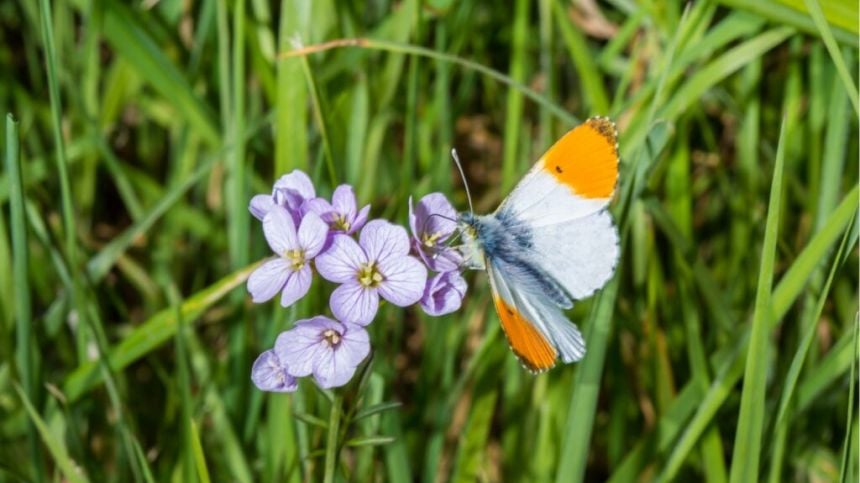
[(331, 449), (399, 48)]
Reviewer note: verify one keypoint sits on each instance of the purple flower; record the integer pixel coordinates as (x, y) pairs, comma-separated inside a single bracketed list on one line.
[(378, 265), (290, 272), (325, 348), (443, 293), (291, 191), (269, 374), (433, 221), (341, 214)]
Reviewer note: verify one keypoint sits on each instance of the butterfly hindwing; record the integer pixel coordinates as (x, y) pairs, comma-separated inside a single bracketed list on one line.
[(534, 324)]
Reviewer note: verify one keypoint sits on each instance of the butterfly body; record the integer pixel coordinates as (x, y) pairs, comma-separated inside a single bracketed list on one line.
[(551, 242)]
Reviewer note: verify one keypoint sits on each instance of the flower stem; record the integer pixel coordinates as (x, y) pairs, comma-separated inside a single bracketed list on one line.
[(331, 449)]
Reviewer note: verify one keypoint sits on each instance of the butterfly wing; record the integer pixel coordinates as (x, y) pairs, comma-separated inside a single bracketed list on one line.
[(536, 328), (575, 178)]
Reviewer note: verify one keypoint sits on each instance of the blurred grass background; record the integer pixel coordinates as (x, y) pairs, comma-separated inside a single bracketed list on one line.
[(725, 347)]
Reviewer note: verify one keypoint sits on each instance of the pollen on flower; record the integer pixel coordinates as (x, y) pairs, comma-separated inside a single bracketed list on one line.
[(340, 223), (332, 337), (429, 239), (369, 276), (296, 258)]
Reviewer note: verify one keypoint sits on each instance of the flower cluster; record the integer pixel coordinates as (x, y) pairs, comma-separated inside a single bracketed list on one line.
[(433, 222), (308, 233)]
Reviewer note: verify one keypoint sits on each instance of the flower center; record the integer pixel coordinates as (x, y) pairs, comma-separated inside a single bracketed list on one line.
[(429, 239), (369, 276), (296, 258), (332, 337), (340, 222)]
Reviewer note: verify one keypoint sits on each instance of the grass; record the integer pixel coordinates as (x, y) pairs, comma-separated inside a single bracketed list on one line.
[(722, 350)]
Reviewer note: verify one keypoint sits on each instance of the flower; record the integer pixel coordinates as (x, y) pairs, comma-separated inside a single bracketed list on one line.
[(341, 214), (290, 272), (432, 222), (269, 374), (291, 191), (378, 265), (326, 348), (443, 293)]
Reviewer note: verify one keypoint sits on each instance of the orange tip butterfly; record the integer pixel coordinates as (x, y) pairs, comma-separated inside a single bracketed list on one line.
[(551, 242)]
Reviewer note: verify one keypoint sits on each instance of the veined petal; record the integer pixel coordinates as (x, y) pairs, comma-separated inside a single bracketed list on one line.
[(341, 261), (440, 259), (267, 280), (343, 200), (297, 181), (269, 374), (382, 240), (443, 293), (435, 216), (312, 235), (413, 221), (280, 230), (296, 286), (354, 304), (354, 346), (328, 373), (300, 347), (360, 219), (404, 279), (260, 205), (319, 206)]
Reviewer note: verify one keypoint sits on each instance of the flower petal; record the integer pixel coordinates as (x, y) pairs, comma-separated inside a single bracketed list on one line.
[(298, 284), (280, 230), (260, 205), (441, 259), (330, 373), (268, 374), (297, 181), (343, 200), (312, 235), (435, 215), (381, 240), (321, 207), (301, 347), (354, 346), (443, 293), (360, 219), (266, 281), (341, 261), (354, 304), (404, 280)]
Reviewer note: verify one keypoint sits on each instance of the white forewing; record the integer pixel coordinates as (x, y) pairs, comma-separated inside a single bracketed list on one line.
[(580, 254), (540, 200)]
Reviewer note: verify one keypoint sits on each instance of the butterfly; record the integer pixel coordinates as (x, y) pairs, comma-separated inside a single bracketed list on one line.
[(551, 242)]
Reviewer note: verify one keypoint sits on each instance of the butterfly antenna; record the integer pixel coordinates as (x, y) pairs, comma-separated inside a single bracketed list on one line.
[(463, 177)]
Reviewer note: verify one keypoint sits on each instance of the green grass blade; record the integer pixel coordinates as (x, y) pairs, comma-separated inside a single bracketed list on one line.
[(57, 449), (152, 333), (586, 67), (779, 11), (746, 454), (784, 296), (830, 42), (808, 336), (123, 29), (580, 416), (514, 104), (20, 254)]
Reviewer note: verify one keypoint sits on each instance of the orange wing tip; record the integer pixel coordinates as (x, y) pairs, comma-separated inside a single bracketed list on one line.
[(586, 158), (606, 128)]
